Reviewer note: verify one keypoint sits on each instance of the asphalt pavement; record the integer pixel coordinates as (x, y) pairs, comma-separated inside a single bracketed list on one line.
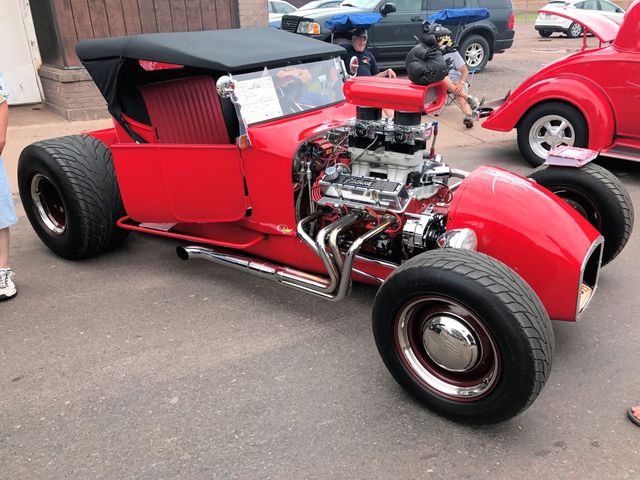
[(136, 364)]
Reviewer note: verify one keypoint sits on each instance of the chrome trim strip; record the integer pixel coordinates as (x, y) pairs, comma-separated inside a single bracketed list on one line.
[(598, 242)]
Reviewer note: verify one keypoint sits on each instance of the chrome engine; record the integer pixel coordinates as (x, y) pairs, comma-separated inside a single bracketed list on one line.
[(381, 168)]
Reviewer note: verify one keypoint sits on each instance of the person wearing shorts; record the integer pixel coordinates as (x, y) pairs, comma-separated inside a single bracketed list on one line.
[(7, 210)]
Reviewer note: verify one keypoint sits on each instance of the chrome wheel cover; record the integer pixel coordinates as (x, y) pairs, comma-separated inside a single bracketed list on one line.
[(474, 55), (48, 204), (446, 348), (548, 132)]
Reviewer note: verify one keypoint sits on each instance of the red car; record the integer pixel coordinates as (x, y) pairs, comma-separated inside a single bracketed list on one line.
[(588, 99), (263, 155)]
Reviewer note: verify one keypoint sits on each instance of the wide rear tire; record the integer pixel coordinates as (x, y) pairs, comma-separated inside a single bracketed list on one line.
[(69, 191), (464, 334), (598, 196)]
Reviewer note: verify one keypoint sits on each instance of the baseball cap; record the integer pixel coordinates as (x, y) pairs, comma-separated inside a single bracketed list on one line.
[(360, 32)]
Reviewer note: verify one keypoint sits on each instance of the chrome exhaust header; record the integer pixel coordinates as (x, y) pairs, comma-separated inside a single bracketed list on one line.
[(339, 270)]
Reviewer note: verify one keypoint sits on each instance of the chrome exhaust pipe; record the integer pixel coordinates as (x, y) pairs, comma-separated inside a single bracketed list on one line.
[(335, 288), (260, 268)]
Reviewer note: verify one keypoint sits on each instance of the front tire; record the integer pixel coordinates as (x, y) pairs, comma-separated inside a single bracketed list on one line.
[(549, 125), (464, 334), (475, 51), (574, 30), (598, 196), (69, 191)]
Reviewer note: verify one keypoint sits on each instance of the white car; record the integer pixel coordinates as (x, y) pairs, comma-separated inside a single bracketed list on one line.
[(546, 24), (278, 8)]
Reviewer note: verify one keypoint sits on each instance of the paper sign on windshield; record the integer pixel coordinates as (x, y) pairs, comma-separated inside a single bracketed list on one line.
[(258, 99)]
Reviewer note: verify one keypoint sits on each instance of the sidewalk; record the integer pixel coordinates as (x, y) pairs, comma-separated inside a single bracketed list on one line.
[(28, 124)]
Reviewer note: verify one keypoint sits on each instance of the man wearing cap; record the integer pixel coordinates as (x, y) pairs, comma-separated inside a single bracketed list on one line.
[(367, 65)]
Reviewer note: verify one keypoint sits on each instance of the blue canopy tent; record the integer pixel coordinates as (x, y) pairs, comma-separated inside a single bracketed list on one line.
[(346, 22), (458, 16)]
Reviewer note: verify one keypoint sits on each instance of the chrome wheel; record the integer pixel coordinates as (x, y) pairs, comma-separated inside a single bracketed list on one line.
[(575, 30), (49, 206), (548, 132), (474, 55), (447, 348)]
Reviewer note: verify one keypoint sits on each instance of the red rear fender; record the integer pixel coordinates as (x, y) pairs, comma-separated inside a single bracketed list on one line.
[(577, 91)]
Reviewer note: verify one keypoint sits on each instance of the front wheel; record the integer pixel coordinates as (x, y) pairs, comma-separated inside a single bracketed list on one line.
[(550, 125), (475, 52), (598, 196), (464, 334)]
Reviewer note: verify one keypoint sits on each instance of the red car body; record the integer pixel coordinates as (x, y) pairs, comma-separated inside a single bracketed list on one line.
[(158, 185), (602, 84), (307, 185)]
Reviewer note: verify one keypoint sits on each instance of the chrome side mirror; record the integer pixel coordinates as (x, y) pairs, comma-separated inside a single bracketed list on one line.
[(225, 86)]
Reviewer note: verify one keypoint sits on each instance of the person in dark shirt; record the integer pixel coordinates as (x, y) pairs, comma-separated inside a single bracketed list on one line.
[(367, 65)]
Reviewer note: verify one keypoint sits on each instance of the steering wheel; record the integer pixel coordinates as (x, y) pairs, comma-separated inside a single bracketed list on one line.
[(289, 88)]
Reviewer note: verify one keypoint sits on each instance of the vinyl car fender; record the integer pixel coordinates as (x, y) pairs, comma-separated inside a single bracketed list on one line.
[(578, 91)]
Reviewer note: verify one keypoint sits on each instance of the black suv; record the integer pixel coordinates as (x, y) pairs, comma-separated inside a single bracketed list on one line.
[(392, 38)]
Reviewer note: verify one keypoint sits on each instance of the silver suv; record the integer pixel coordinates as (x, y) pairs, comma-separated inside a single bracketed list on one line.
[(392, 38)]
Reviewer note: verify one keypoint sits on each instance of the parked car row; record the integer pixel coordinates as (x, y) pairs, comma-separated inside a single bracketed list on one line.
[(391, 39)]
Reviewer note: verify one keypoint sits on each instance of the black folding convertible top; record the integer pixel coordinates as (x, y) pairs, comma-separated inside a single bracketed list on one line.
[(221, 50), (113, 62)]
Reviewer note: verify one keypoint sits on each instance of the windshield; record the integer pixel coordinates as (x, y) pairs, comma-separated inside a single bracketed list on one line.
[(360, 3), (278, 92)]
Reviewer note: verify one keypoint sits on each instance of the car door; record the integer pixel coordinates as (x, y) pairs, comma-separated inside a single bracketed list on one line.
[(612, 11), (392, 38)]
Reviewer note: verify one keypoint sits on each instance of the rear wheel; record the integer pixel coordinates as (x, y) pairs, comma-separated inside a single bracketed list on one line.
[(598, 196), (464, 334), (69, 191), (574, 30), (549, 125), (544, 33), (475, 52)]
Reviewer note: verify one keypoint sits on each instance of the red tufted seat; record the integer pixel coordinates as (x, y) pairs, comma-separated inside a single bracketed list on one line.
[(186, 110)]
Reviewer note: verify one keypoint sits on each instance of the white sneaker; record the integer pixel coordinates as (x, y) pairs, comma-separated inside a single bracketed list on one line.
[(7, 287)]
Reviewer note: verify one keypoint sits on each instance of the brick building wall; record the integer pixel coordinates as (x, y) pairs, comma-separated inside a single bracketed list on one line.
[(253, 13)]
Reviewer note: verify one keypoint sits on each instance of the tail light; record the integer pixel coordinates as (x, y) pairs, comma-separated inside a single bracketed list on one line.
[(512, 22)]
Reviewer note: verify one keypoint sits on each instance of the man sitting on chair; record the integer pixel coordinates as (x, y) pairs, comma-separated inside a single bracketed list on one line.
[(456, 81)]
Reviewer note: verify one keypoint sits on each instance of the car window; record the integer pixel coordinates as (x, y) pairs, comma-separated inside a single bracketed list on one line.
[(283, 8), (578, 5), (362, 3), (608, 7), (408, 5), (589, 5)]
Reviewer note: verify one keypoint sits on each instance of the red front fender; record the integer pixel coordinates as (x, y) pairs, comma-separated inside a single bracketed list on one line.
[(578, 91), (530, 230)]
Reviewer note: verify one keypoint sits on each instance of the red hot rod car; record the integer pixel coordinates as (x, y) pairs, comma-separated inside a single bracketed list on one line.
[(588, 99), (261, 154)]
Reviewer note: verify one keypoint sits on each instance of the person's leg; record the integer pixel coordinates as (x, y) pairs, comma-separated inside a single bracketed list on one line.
[(8, 289), (4, 248)]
